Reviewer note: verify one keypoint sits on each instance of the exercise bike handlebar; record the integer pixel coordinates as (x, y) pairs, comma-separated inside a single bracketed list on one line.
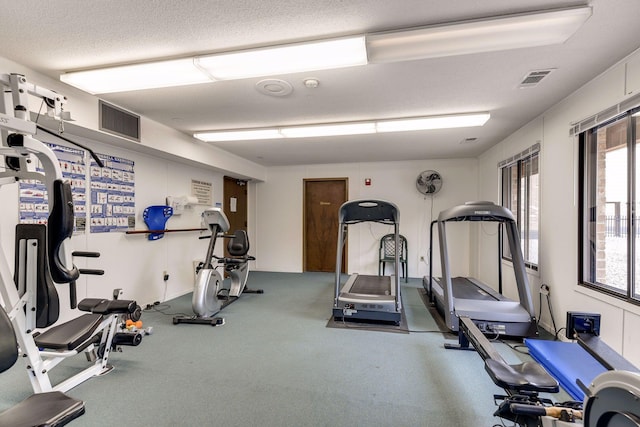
[(224, 236)]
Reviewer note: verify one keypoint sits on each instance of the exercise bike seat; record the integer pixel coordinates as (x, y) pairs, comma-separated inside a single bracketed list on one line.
[(237, 248)]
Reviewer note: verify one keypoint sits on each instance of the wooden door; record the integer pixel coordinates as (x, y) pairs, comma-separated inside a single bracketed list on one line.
[(322, 199), (235, 205)]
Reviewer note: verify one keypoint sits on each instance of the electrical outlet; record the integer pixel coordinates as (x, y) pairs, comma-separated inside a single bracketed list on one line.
[(582, 323)]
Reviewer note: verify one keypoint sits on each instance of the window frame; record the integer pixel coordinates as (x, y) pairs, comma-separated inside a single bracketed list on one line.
[(520, 162), (587, 188)]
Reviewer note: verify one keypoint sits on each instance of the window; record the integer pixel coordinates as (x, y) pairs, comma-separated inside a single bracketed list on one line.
[(610, 193), (521, 194)]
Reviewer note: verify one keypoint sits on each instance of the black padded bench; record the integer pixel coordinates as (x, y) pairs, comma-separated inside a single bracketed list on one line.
[(72, 334), (43, 409), (514, 379)]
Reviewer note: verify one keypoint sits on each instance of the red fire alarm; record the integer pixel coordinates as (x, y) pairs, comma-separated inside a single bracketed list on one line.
[(367, 181)]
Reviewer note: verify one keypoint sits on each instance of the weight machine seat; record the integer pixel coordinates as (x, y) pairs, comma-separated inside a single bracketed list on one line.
[(69, 335), (51, 409), (72, 334), (44, 409), (527, 376)]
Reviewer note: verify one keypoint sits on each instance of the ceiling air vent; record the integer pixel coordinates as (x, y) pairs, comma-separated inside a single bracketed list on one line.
[(534, 77), (119, 122)]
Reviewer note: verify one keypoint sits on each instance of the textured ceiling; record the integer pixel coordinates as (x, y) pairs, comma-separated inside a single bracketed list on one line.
[(66, 35)]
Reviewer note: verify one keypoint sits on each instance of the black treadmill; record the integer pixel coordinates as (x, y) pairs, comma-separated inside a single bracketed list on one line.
[(366, 297), (455, 297)]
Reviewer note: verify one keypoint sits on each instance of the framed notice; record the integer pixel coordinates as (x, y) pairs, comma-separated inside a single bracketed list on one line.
[(203, 191)]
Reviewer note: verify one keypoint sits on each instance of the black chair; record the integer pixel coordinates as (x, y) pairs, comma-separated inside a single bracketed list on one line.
[(388, 253), (43, 409)]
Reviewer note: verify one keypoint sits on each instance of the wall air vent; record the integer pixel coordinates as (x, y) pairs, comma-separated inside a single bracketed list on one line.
[(534, 77), (118, 121)]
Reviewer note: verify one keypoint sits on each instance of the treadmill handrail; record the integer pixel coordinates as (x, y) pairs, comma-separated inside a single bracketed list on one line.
[(482, 211), (477, 211), (369, 210)]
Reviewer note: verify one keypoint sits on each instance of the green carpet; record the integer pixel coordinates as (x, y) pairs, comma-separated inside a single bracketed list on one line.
[(275, 363)]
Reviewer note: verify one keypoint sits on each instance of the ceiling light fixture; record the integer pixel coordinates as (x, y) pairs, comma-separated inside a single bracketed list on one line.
[(286, 59), (349, 128), (485, 35), (354, 128), (435, 122), (177, 72), (238, 135)]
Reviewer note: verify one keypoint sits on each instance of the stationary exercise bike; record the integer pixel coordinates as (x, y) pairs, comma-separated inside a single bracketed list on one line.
[(210, 295)]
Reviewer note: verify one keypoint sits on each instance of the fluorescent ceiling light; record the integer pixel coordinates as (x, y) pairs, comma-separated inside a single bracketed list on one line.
[(357, 128), (487, 35), (349, 128), (293, 58), (177, 72), (238, 135), (435, 122)]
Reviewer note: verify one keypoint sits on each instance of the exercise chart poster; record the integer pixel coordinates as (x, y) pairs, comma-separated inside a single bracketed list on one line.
[(112, 194), (34, 208)]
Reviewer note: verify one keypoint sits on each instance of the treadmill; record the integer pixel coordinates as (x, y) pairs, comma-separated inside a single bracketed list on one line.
[(454, 297), (364, 297)]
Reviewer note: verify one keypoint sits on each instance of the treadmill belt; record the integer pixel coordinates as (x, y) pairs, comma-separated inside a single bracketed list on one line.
[(371, 285), (463, 288)]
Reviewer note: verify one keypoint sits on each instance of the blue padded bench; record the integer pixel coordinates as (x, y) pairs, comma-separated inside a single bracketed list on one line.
[(566, 362)]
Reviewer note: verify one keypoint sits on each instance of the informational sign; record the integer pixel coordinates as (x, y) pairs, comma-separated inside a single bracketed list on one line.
[(203, 191), (34, 208), (112, 194)]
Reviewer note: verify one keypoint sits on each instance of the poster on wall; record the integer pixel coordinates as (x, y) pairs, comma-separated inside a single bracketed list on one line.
[(203, 191), (33, 206), (112, 195)]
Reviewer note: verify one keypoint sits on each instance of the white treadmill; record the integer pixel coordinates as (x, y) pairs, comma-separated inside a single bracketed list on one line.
[(454, 297), (365, 297)]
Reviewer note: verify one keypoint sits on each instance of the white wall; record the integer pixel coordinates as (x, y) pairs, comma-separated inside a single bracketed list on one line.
[(165, 163), (558, 257), (280, 210), (132, 262), (167, 160)]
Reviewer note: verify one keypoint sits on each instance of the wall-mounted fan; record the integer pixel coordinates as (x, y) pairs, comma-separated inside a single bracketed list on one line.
[(429, 182)]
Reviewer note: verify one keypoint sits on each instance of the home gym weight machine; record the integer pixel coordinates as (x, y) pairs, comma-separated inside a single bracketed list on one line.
[(42, 256), (210, 294)]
